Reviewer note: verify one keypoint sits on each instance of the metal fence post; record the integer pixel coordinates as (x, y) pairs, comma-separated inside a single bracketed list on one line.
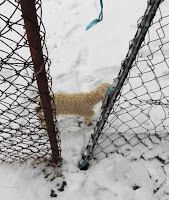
[(32, 30)]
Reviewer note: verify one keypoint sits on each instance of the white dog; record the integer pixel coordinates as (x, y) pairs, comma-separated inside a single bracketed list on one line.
[(80, 104)]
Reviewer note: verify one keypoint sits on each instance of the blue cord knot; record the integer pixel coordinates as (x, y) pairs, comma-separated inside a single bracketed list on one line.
[(95, 21)]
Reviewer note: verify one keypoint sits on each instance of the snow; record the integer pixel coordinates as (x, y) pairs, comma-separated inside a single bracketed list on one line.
[(113, 178), (81, 60)]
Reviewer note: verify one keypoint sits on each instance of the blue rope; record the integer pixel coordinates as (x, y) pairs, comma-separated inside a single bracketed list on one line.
[(95, 21)]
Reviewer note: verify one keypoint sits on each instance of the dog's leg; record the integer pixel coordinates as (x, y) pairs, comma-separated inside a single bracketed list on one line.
[(40, 116), (88, 120), (88, 117)]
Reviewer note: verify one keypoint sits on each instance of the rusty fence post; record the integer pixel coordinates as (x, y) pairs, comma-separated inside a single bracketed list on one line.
[(32, 30)]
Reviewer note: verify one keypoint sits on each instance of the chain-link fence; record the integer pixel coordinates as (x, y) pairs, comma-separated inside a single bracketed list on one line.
[(21, 135), (136, 106)]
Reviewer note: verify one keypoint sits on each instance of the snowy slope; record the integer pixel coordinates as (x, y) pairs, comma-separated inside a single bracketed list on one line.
[(81, 60)]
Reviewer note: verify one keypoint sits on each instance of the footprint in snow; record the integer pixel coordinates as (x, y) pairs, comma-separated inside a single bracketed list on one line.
[(104, 194), (72, 31)]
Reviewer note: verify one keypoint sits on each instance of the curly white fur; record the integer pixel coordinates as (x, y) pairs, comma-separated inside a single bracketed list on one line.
[(80, 104)]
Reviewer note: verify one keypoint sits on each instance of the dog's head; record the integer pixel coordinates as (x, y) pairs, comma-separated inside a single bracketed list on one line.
[(102, 88)]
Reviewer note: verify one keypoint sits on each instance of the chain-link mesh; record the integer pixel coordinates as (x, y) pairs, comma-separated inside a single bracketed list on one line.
[(140, 114), (21, 135)]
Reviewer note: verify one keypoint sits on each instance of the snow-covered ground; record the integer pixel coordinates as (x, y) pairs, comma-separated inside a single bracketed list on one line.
[(81, 60)]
